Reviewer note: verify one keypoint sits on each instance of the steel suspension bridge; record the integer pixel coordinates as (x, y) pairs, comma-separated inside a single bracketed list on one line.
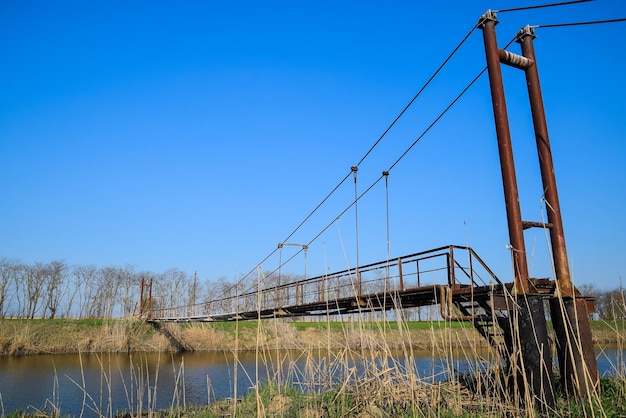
[(511, 316)]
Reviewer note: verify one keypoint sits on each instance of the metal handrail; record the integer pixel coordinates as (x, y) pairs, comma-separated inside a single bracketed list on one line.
[(341, 284)]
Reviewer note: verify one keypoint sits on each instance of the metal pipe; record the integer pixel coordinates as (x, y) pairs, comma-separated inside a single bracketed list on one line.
[(530, 319), (505, 148), (150, 300), (531, 224), (452, 276), (577, 361), (445, 304), (141, 298), (534, 348), (514, 60), (546, 165)]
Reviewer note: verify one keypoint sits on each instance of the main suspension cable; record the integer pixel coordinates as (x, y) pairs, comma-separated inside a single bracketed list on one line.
[(591, 22), (421, 90), (386, 172), (541, 6), (404, 110), (434, 122), (437, 119), (343, 212), (267, 257), (357, 198)]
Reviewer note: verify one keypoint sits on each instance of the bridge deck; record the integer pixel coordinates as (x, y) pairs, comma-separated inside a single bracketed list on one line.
[(455, 275)]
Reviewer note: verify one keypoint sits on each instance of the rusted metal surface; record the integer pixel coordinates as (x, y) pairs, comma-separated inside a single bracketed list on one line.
[(577, 361), (141, 297), (570, 315), (546, 165), (515, 309), (514, 60), (473, 293), (445, 303), (505, 149), (533, 346), (530, 224), (394, 286), (476, 289), (527, 342), (145, 303)]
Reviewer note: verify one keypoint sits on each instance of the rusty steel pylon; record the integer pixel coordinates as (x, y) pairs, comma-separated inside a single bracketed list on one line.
[(145, 299), (577, 361)]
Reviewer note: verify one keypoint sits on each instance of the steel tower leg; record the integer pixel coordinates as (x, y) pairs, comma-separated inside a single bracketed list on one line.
[(531, 359), (577, 361)]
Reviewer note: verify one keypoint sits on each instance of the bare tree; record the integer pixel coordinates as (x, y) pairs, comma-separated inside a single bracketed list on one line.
[(54, 289), (55, 277), (85, 279), (611, 305), (95, 296), (7, 280), (171, 287), (193, 290), (20, 293), (104, 294), (129, 283), (77, 284), (225, 291), (108, 290), (33, 280)]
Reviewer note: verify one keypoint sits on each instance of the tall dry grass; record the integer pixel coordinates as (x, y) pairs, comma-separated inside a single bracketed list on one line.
[(362, 371), (356, 368), (23, 337)]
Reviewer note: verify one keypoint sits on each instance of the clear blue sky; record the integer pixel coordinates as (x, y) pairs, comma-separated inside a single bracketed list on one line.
[(197, 135)]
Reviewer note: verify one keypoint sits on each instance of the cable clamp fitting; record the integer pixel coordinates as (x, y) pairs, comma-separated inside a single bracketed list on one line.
[(524, 32), (488, 16)]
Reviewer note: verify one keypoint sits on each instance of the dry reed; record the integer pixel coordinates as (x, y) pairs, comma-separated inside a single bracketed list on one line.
[(353, 369)]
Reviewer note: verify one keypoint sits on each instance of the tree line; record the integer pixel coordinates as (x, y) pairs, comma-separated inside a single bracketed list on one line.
[(610, 304), (59, 290)]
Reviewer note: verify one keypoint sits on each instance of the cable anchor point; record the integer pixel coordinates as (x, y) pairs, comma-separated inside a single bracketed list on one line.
[(489, 15), (524, 32)]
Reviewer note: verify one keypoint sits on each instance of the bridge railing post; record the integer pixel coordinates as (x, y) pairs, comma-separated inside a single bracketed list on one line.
[(452, 270)]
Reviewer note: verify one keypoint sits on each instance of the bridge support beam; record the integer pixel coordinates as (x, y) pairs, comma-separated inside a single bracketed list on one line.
[(529, 345), (531, 359), (505, 150), (577, 361), (569, 311)]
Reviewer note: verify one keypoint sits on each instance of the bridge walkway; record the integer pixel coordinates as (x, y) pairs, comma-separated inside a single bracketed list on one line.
[(453, 277)]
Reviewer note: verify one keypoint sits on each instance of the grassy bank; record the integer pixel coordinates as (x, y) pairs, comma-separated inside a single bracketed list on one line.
[(22, 337), (449, 399), (36, 336), (342, 369)]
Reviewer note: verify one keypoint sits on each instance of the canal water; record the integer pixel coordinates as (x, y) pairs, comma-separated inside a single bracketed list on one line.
[(107, 384)]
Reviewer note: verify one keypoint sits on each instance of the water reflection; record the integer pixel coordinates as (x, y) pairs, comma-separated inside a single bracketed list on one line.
[(106, 384)]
